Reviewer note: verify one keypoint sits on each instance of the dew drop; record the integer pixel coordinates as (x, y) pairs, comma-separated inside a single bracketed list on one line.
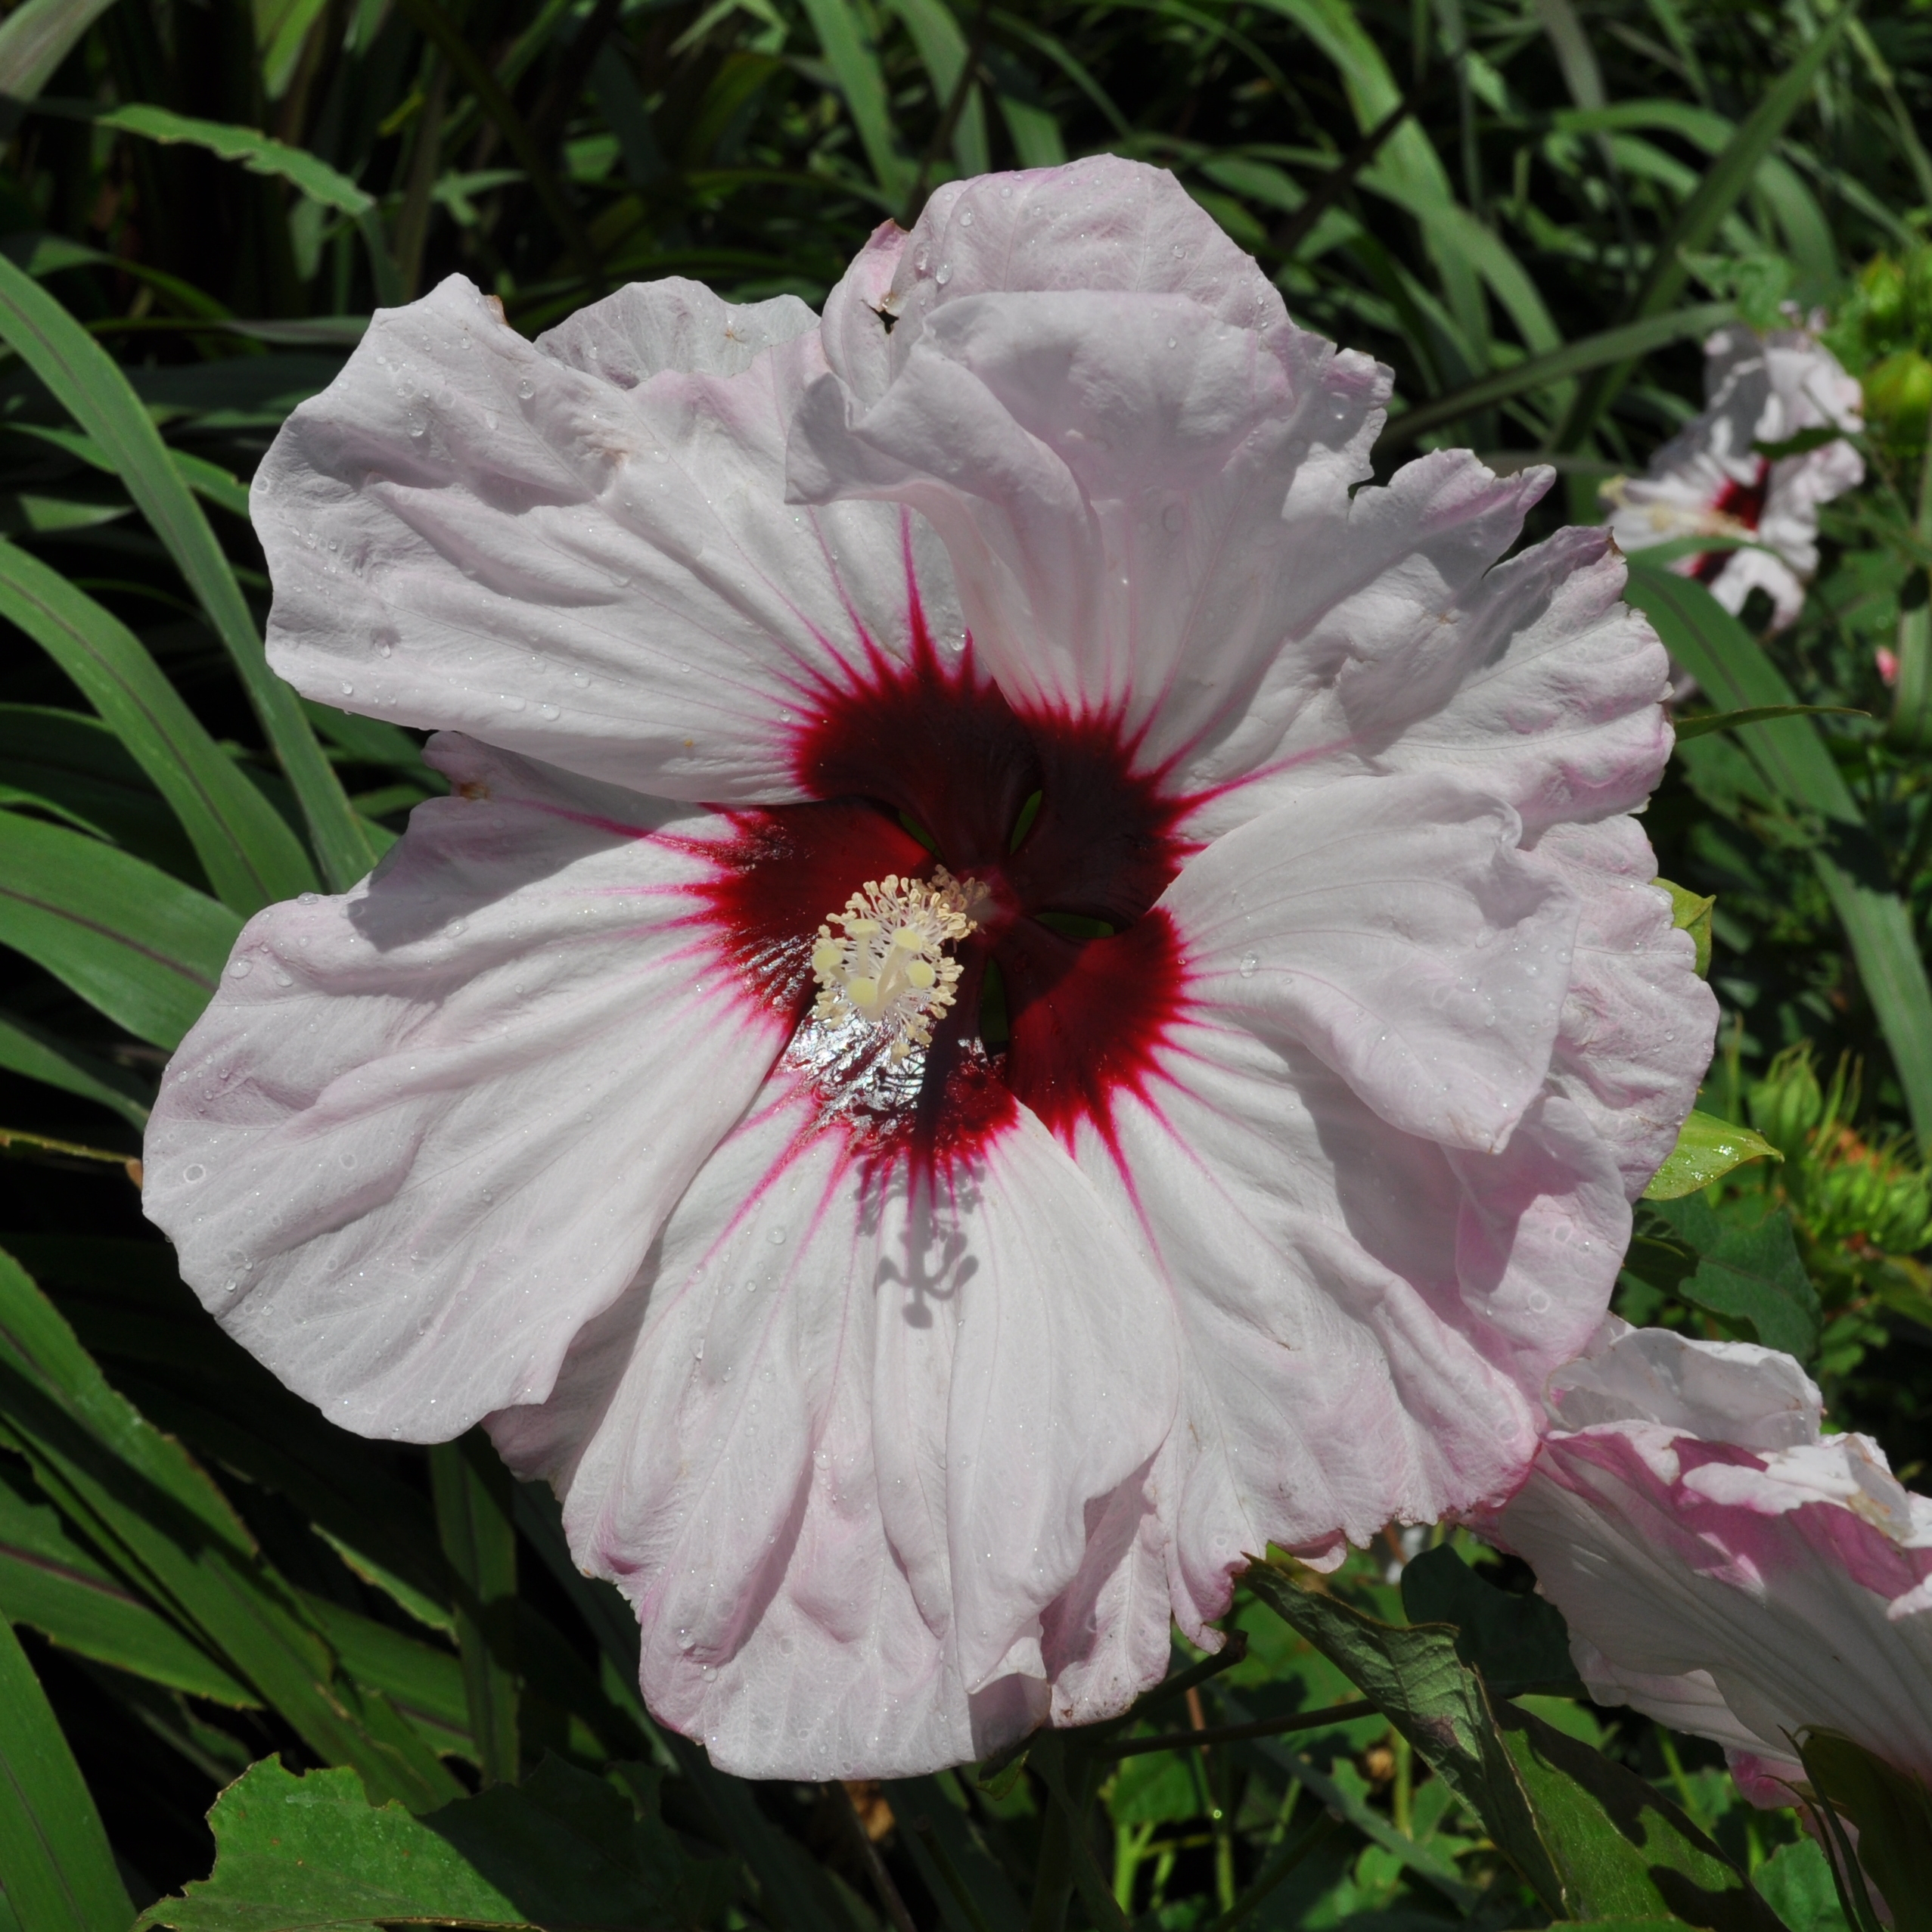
[(193, 1171), (308, 898), (548, 711), (526, 389), (348, 689), (1248, 963), (966, 219), (385, 650), (944, 274), (579, 678), (510, 701), (239, 969)]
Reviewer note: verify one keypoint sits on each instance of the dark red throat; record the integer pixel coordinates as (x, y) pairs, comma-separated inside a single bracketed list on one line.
[(924, 762)]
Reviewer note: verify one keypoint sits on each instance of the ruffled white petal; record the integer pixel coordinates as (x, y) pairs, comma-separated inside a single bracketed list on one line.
[(426, 1130), (1712, 478), (870, 1455), (578, 549), (1390, 925), (1722, 1566)]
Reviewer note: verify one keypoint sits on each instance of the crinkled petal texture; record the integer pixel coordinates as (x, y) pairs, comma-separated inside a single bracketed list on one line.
[(573, 548), (1712, 480), (909, 1383), (1722, 1566)]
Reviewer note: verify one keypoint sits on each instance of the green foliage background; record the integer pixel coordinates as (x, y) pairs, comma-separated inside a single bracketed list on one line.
[(1533, 210)]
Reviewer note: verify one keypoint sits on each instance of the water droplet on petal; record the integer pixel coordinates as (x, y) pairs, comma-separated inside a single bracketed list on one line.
[(193, 1171), (526, 389), (348, 689), (1248, 963), (239, 969), (945, 274), (548, 711)]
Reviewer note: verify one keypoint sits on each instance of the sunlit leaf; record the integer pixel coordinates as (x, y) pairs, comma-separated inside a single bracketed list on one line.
[(1707, 1149)]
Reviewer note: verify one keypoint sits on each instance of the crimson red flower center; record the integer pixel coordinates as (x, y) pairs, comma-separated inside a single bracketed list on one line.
[(1072, 977)]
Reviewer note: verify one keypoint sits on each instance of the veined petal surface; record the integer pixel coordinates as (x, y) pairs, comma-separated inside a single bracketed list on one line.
[(1075, 992), (1722, 1565)]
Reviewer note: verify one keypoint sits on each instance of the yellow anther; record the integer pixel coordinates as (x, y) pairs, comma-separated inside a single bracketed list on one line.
[(888, 964)]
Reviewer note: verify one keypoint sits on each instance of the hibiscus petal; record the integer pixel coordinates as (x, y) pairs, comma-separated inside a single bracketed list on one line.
[(1101, 223), (1637, 1024), (426, 1130), (868, 1454), (1723, 1567), (578, 549), (1352, 1355), (1391, 925)]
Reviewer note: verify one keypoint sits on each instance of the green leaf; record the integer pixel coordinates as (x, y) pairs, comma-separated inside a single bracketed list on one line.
[(1751, 1275), (1593, 1839), (155, 1519), (1792, 758), (1893, 1811), (144, 949), (854, 61), (473, 1494), (1690, 912), (1696, 723), (1628, 340), (1619, 1847), (36, 37), (57, 1870), (564, 1850), (307, 173), (86, 382), (50, 1581), (1707, 1149), (1519, 1643), (1724, 184), (425, 1683), (37, 1055), (251, 856), (1795, 1882)]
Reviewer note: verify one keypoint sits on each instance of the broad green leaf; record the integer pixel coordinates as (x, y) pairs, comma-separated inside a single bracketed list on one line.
[(564, 1849), (1619, 1847), (50, 1581), (251, 856), (1795, 1882), (472, 1493), (1593, 1839), (37, 36), (307, 173), (1696, 723), (155, 1519), (37, 1055), (1690, 912), (56, 1870), (1519, 1643), (1892, 1810), (1414, 1678), (144, 949), (1749, 1274), (1720, 654), (86, 382), (1707, 1149)]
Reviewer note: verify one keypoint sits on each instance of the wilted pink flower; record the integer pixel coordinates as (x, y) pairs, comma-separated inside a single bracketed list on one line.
[(1712, 480), (919, 1284), (1723, 1566)]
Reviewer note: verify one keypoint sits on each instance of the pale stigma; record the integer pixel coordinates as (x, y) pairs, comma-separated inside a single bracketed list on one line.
[(887, 965)]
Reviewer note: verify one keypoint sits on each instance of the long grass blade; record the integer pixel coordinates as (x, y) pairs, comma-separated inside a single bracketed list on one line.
[(87, 383)]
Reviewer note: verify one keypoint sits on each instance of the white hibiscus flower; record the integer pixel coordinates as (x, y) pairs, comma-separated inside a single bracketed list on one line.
[(1723, 1566), (1712, 480), (921, 1285)]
